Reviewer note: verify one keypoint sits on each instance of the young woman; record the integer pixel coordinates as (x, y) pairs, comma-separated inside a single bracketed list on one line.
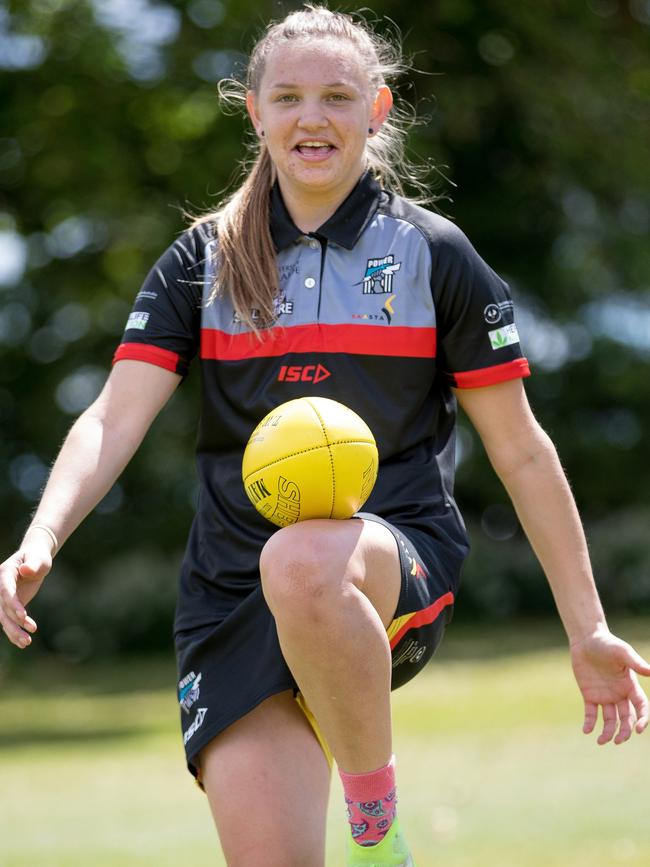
[(318, 266)]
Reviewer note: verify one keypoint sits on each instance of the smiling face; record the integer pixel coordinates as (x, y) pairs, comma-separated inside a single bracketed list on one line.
[(315, 105)]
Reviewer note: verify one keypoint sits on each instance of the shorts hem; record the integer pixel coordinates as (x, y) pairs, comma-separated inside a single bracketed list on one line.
[(208, 734)]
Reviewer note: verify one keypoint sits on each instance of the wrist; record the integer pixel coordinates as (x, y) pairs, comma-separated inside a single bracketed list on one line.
[(46, 532), (582, 636)]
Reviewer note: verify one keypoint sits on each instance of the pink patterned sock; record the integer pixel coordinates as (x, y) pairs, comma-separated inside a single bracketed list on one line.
[(371, 803)]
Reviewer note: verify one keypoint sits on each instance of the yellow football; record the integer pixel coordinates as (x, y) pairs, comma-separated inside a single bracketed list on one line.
[(309, 458)]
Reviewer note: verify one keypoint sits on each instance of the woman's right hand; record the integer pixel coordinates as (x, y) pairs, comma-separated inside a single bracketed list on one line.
[(21, 576)]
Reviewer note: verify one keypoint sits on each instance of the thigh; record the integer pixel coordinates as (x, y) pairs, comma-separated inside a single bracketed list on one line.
[(267, 781)]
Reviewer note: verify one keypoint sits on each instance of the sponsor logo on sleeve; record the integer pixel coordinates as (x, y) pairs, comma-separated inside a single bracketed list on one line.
[(501, 337), (494, 313), (137, 321), (146, 295)]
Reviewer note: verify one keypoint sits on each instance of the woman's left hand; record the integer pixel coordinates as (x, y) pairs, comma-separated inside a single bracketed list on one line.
[(605, 668)]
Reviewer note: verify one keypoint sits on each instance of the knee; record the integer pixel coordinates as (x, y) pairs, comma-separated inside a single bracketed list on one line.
[(297, 576)]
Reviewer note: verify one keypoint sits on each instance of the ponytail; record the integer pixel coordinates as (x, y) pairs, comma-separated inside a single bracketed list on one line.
[(246, 262)]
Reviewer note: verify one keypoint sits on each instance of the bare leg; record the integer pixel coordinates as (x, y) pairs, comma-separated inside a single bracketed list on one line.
[(333, 586), (267, 781)]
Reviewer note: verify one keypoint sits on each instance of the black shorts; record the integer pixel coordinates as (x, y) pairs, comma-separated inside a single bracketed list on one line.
[(227, 669)]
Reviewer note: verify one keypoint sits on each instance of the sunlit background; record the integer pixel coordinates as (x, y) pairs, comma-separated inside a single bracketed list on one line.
[(535, 119)]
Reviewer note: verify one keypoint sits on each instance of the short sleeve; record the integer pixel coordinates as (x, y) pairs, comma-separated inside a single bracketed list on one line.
[(478, 342), (163, 327)]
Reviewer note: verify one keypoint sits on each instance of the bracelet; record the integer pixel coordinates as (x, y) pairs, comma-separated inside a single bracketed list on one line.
[(50, 533)]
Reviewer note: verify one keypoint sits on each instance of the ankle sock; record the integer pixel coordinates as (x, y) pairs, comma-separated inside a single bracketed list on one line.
[(371, 803)]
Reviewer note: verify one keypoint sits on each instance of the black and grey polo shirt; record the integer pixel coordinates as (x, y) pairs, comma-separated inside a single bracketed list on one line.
[(385, 308)]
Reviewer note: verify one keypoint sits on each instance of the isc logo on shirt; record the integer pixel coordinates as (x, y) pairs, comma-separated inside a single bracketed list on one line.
[(303, 373)]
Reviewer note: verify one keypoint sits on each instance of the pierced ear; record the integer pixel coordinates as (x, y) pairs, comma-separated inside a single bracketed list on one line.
[(381, 107)]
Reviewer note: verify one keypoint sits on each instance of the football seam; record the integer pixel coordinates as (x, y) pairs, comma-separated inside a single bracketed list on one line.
[(310, 449), (329, 450)]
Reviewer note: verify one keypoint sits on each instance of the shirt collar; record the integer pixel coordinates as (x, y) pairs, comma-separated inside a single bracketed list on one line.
[(344, 227)]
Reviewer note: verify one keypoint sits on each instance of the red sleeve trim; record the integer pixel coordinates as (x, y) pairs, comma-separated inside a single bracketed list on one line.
[(151, 354), (516, 369)]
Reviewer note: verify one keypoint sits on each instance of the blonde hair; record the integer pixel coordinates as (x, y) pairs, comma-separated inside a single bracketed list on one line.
[(246, 259)]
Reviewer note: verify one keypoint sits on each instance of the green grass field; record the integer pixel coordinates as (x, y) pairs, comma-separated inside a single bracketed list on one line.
[(492, 766)]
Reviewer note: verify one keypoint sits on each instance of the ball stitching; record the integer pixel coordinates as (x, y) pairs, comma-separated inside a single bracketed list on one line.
[(329, 449)]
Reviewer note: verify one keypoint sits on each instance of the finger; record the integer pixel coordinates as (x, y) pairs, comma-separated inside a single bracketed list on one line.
[(591, 717), (29, 624), (610, 719), (13, 632), (34, 567), (637, 663), (627, 718), (10, 604), (14, 609), (642, 709), (14, 617)]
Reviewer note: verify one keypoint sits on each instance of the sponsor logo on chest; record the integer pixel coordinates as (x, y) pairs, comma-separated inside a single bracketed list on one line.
[(386, 314), (303, 373), (282, 307)]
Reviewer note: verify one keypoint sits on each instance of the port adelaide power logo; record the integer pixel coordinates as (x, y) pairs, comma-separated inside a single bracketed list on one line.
[(189, 690), (378, 279)]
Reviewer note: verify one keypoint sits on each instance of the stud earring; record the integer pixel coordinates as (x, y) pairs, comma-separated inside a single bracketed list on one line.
[(262, 133), (370, 130)]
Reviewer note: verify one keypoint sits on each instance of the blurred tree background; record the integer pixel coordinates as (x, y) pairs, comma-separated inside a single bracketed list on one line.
[(536, 117)]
